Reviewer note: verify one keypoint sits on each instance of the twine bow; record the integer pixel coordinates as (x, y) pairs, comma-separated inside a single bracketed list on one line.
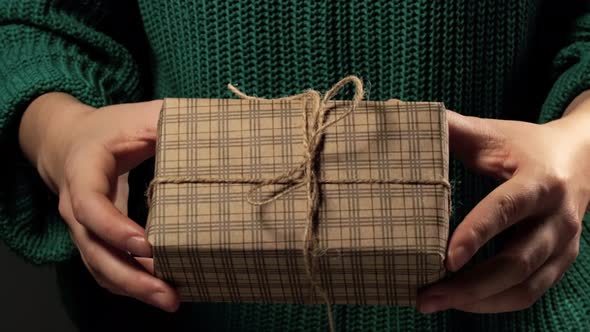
[(305, 173)]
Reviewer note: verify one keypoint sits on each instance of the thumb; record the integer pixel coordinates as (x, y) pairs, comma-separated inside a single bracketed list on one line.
[(138, 122), (475, 141), (466, 133)]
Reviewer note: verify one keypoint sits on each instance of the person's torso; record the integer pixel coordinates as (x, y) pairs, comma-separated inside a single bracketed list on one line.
[(475, 56), (485, 58)]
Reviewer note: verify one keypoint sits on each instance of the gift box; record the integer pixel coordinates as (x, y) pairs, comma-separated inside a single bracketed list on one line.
[(301, 199)]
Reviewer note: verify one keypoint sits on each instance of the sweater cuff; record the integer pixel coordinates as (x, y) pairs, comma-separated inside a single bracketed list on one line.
[(572, 70), (574, 81), (29, 220)]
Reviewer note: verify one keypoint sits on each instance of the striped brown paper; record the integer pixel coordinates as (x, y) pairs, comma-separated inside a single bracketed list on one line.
[(377, 242)]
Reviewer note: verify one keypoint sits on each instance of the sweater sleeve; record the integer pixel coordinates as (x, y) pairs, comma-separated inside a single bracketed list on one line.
[(79, 47), (571, 68)]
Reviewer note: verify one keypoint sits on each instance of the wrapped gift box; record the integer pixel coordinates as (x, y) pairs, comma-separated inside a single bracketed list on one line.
[(381, 224)]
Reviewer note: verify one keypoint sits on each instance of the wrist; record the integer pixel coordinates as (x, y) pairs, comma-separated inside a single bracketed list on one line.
[(575, 121), (576, 116), (45, 133), (573, 127)]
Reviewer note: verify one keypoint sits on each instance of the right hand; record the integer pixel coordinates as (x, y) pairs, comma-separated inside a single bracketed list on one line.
[(84, 154)]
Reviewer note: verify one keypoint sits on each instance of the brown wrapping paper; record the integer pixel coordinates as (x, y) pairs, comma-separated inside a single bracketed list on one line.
[(377, 242)]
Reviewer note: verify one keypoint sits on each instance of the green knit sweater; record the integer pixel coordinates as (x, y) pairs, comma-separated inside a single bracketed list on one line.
[(517, 59)]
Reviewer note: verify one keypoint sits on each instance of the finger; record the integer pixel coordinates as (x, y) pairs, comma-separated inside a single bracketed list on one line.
[(122, 194), (100, 279), (126, 276), (138, 143), (510, 267), (478, 144), (146, 263), (79, 235), (144, 114), (120, 273), (527, 293), (91, 194), (468, 133), (509, 203)]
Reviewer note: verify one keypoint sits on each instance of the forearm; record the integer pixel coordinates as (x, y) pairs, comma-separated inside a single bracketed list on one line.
[(46, 123)]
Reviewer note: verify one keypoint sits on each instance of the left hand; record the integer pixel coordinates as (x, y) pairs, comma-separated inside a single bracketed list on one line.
[(545, 195), (83, 154)]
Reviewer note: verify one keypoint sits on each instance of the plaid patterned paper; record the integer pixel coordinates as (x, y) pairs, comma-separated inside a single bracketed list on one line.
[(379, 242)]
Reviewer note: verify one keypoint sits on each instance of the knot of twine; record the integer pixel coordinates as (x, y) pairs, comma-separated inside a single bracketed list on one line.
[(305, 173)]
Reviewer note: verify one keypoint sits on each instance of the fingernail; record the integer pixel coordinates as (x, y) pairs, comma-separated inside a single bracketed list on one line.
[(138, 246), (459, 257), (431, 304)]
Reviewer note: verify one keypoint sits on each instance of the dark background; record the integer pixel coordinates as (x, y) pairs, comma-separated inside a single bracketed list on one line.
[(30, 298)]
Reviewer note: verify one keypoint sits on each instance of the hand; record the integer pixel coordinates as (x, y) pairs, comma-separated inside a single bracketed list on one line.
[(544, 197), (83, 154)]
